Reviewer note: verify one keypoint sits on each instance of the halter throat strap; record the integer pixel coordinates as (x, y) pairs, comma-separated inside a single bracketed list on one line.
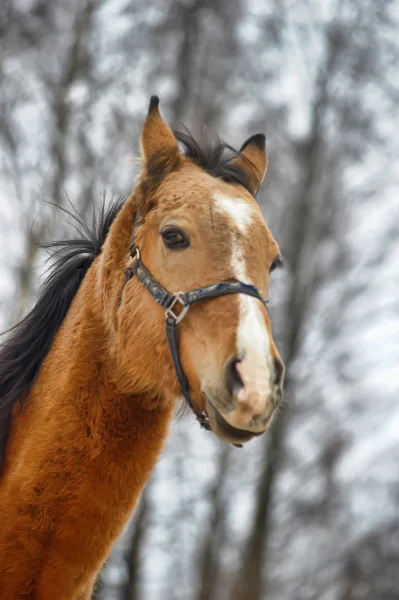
[(176, 307)]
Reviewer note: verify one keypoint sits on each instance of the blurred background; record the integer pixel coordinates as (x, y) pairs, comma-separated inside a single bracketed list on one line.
[(311, 510)]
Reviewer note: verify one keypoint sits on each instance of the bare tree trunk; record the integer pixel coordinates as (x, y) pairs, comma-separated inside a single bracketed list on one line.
[(131, 590), (189, 18), (61, 110), (208, 560)]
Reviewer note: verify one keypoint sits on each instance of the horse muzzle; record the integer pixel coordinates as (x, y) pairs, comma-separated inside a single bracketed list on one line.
[(246, 406)]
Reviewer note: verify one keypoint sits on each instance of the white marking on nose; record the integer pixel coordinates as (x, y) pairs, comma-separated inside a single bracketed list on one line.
[(240, 211), (252, 335)]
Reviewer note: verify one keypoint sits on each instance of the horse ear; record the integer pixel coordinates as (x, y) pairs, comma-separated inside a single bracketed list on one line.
[(158, 144), (252, 159)]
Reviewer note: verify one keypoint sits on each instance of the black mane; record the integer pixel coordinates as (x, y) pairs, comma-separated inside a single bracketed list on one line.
[(23, 352), (215, 158)]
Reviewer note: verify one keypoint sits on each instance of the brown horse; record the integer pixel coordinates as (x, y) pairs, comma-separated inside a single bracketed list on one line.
[(90, 378)]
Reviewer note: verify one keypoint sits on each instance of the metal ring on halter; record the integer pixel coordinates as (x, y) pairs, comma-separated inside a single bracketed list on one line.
[(178, 299)]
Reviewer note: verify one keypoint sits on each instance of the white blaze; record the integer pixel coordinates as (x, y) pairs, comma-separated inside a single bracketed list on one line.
[(239, 211), (252, 335)]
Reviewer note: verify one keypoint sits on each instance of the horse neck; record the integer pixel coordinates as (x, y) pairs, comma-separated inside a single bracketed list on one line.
[(80, 374), (78, 388)]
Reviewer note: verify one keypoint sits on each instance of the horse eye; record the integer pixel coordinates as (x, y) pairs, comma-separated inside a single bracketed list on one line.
[(174, 239), (276, 264)]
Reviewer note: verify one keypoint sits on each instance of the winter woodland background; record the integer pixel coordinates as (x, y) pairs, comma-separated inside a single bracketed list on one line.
[(310, 511)]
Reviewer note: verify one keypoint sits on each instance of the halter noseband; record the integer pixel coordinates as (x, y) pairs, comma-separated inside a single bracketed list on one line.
[(181, 301)]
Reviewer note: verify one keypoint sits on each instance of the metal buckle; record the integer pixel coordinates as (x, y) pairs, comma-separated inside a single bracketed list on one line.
[(177, 299), (136, 254)]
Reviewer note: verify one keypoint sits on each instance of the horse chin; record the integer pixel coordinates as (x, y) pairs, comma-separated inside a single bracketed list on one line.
[(224, 430)]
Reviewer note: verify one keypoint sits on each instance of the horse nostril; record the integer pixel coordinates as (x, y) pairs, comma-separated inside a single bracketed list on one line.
[(233, 379), (278, 371)]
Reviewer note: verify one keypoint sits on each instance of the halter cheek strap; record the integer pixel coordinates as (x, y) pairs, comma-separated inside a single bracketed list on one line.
[(176, 306)]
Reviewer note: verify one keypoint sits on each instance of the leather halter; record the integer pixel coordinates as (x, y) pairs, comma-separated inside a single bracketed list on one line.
[(176, 306)]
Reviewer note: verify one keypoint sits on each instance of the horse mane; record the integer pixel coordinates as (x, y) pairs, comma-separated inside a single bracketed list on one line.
[(215, 157), (28, 342)]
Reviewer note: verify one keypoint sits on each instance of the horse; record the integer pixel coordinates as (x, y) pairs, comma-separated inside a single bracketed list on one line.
[(164, 298)]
